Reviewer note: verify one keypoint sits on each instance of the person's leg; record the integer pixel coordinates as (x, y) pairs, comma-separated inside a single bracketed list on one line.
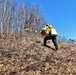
[(46, 38), (54, 40)]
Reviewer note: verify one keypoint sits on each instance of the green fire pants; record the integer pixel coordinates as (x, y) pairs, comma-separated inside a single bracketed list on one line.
[(54, 40)]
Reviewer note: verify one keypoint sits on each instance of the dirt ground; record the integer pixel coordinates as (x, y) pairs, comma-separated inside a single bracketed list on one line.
[(27, 56)]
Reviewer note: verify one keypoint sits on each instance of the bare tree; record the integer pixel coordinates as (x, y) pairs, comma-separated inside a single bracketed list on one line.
[(36, 19), (16, 18), (7, 15)]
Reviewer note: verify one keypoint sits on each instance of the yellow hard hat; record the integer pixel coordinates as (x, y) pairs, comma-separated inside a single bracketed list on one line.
[(49, 25)]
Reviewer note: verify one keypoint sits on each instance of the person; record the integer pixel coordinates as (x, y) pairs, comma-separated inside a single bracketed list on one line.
[(53, 36), (45, 31)]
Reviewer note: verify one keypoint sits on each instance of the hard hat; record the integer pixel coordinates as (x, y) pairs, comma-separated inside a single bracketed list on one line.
[(49, 25)]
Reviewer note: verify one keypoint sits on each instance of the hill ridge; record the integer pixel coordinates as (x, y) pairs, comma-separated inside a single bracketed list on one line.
[(30, 57)]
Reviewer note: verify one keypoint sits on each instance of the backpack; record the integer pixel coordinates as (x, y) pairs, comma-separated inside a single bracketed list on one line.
[(53, 32)]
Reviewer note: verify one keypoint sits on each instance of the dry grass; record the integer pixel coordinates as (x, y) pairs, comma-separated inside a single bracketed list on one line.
[(27, 56)]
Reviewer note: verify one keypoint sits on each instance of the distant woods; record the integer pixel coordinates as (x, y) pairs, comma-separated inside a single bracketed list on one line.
[(15, 17), (66, 40)]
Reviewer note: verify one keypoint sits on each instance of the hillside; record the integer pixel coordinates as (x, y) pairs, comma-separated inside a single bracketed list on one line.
[(30, 57)]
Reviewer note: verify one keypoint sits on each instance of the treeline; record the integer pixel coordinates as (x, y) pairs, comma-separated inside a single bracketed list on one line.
[(66, 40), (15, 17)]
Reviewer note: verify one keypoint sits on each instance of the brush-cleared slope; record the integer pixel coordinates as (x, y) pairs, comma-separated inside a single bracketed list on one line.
[(30, 57)]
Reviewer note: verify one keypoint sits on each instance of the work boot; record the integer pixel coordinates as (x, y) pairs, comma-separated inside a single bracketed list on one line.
[(44, 44), (56, 48)]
